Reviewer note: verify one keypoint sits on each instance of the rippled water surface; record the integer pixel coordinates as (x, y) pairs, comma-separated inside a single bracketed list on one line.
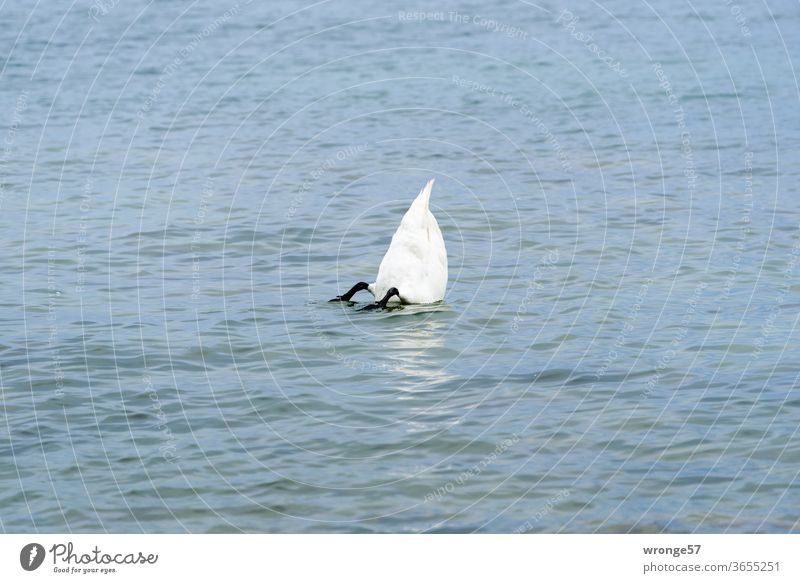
[(186, 184)]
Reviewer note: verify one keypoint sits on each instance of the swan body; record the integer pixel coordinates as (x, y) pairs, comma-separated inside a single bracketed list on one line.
[(414, 269)]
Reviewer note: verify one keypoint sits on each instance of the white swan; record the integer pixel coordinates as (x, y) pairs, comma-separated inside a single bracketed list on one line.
[(414, 269)]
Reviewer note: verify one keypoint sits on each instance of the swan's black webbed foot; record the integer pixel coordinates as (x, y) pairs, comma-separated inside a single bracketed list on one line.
[(353, 291), (393, 291)]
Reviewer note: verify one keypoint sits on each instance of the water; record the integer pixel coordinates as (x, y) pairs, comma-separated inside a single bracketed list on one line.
[(186, 184)]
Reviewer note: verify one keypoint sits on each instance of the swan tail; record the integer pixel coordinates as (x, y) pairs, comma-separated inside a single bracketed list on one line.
[(423, 198)]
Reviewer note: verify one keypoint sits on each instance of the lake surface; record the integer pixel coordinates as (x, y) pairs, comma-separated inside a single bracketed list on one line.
[(186, 184)]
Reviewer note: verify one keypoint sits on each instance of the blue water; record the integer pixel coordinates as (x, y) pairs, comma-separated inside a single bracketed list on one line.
[(185, 184)]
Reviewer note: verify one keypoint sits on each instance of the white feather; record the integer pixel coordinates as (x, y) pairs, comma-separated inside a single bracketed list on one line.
[(416, 262)]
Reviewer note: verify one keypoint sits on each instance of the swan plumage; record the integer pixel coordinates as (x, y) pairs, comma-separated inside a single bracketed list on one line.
[(414, 268)]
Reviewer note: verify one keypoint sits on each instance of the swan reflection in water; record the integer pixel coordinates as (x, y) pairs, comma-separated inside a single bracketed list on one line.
[(415, 340)]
